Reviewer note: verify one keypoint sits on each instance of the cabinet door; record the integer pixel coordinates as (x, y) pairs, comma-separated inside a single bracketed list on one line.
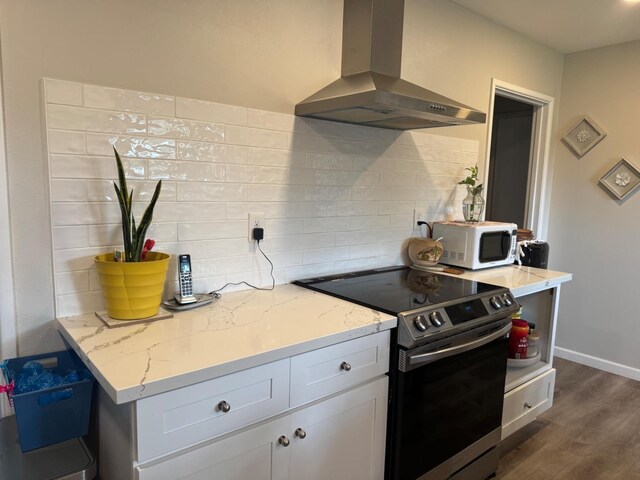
[(523, 404), (252, 454), (342, 437)]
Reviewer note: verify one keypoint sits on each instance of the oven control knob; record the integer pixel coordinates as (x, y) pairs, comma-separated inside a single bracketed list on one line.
[(495, 302), (506, 300), (436, 319), (421, 323)]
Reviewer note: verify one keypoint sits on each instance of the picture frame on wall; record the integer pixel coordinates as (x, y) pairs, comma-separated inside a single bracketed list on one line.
[(621, 180), (583, 136)]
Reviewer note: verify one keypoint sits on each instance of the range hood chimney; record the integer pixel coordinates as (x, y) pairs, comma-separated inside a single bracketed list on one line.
[(370, 90)]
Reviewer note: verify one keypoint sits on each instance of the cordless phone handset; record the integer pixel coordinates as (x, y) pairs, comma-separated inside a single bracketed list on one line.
[(185, 282)]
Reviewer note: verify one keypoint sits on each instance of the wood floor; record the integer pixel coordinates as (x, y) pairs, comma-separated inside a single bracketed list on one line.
[(592, 432)]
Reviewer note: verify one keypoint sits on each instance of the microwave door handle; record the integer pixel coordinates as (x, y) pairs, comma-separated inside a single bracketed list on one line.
[(447, 352)]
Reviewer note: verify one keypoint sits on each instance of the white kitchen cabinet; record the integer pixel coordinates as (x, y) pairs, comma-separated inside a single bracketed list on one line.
[(173, 420), (342, 437), (524, 403), (252, 454), (529, 389), (338, 438), (329, 406)]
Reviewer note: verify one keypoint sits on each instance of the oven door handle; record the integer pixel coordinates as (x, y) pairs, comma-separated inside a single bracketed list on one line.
[(447, 352)]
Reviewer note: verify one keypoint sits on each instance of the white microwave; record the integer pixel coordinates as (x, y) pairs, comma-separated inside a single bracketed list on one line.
[(477, 245)]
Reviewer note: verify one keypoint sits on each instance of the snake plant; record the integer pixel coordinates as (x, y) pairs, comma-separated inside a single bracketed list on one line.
[(132, 236)]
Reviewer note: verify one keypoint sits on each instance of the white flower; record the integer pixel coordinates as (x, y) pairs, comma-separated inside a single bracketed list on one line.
[(623, 179), (583, 135)]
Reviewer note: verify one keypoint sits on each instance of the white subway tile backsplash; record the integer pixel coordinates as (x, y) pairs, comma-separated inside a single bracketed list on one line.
[(185, 129), (276, 121), (84, 213), (397, 180), (210, 192), (368, 179), (59, 91), (373, 222), (82, 166), (70, 237), (332, 161), (72, 282), (127, 100), (65, 141), (336, 192), (212, 152), (276, 193), (309, 176), (336, 197), (255, 137), (75, 259), (325, 255), (253, 174), (328, 224), (68, 190), (186, 171), (91, 120), (210, 112), (277, 158), (212, 230), (357, 208), (358, 237), (141, 147)]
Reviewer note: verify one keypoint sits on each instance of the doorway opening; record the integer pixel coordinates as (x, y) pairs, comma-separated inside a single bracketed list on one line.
[(509, 161), (518, 144)]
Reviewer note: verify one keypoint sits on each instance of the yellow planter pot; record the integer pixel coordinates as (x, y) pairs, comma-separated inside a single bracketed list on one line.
[(132, 290)]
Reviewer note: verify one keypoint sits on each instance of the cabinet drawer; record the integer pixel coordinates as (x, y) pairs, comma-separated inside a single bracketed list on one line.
[(523, 404), (179, 418), (331, 369)]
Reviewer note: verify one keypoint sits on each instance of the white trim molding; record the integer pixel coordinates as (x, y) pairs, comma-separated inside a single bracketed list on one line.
[(539, 190), (599, 363), (8, 327)]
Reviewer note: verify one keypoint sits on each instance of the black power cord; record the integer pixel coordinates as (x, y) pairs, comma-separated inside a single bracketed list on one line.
[(258, 234)]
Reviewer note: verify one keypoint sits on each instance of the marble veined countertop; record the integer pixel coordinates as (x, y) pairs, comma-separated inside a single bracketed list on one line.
[(520, 280), (238, 331)]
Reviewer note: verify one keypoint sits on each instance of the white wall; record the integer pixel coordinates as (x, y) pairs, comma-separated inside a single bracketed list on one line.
[(261, 55), (591, 235)]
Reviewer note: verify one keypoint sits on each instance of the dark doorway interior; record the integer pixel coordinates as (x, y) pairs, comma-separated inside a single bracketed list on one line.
[(509, 161)]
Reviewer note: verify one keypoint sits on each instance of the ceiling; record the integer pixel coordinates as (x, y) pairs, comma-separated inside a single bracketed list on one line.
[(565, 25)]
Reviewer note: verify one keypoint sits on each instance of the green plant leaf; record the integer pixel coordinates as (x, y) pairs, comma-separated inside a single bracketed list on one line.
[(133, 236), (146, 220)]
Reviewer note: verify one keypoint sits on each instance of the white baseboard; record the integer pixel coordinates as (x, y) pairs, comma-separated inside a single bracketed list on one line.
[(599, 363)]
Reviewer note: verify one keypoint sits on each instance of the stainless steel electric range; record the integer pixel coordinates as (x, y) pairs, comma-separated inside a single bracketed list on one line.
[(447, 372)]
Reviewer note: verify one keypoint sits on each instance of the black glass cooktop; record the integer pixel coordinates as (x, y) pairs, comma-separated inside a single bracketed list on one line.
[(396, 289)]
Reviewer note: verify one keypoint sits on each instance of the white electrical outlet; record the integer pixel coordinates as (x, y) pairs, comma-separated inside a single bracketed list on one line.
[(256, 220), (419, 216)]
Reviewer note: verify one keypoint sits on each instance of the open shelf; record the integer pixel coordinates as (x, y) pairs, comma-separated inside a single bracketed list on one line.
[(517, 376)]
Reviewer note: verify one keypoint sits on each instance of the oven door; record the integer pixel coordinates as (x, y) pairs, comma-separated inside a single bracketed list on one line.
[(446, 409)]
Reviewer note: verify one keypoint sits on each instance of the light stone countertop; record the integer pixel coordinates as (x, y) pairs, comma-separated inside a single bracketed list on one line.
[(242, 330), (520, 280), (238, 331)]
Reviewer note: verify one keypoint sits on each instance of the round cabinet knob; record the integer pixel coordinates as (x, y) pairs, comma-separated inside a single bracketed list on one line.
[(223, 407), (506, 300), (345, 366), (421, 323), (495, 302), (528, 405), (436, 319), (283, 440), (300, 433)]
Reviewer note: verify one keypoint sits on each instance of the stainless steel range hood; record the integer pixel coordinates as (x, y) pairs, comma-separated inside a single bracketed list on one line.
[(370, 91)]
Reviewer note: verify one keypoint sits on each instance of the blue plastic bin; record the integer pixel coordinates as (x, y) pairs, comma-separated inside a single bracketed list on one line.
[(54, 414)]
